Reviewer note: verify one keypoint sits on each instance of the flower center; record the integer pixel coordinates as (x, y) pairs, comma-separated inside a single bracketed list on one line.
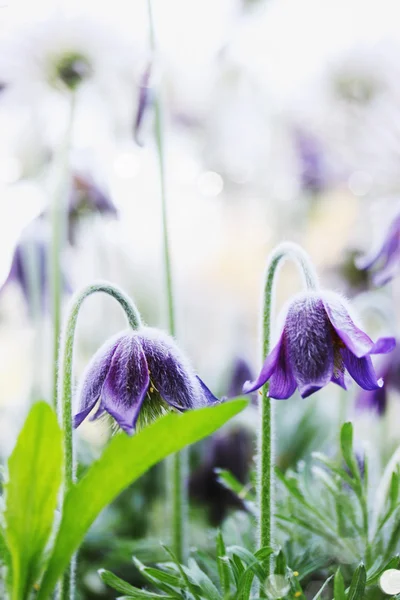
[(72, 69)]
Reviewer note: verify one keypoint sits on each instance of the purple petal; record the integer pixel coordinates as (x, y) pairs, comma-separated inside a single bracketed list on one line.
[(93, 379), (358, 342), (126, 384), (340, 379), (267, 370), (282, 384), (208, 395), (309, 344), (383, 345), (361, 370), (170, 373)]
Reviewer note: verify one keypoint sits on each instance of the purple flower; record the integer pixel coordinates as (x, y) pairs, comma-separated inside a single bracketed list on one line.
[(30, 259), (313, 170), (387, 260), (87, 197), (376, 400), (139, 373), (318, 344), (232, 451)]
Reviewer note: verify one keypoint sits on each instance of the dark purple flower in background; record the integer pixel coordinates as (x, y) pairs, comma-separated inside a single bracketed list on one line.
[(232, 451), (318, 344), (241, 373), (313, 171), (376, 400), (87, 197), (29, 266), (385, 262), (139, 373)]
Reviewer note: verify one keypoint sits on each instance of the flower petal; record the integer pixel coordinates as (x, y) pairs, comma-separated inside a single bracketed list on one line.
[(267, 370), (170, 373), (361, 370), (340, 379), (383, 345), (209, 396), (358, 342), (93, 379), (282, 384), (126, 384), (309, 344)]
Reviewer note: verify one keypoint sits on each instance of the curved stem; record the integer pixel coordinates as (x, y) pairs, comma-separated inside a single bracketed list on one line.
[(58, 215), (65, 389), (177, 463), (265, 451)]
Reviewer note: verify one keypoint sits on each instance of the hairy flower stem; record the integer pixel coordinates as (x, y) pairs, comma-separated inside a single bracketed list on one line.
[(176, 488), (58, 216), (265, 446), (65, 393)]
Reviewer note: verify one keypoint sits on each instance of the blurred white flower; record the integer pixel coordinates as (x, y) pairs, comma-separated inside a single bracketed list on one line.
[(41, 63)]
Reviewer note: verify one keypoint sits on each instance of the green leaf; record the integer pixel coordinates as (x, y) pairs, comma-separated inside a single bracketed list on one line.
[(34, 477), (357, 586), (160, 580), (338, 586), (188, 584), (223, 568), (280, 564), (122, 462), (346, 443), (4, 552), (374, 574), (115, 582)]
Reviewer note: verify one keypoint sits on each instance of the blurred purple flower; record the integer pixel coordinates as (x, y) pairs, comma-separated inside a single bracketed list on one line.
[(231, 451), (145, 101), (376, 400), (312, 165), (241, 373), (318, 344), (387, 260), (139, 373), (87, 197), (30, 260)]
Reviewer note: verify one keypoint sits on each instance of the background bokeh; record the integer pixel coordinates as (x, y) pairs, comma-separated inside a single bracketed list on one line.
[(281, 121)]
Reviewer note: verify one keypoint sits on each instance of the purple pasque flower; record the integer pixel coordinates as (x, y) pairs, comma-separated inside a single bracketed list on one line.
[(319, 343), (389, 370), (139, 374), (386, 261)]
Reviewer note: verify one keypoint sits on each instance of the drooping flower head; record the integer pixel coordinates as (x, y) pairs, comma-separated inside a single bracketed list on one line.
[(376, 400), (386, 260), (138, 375), (319, 343)]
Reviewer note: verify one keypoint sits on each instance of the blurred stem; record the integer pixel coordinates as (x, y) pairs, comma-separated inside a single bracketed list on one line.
[(58, 212), (65, 393), (176, 487), (31, 263), (265, 444)]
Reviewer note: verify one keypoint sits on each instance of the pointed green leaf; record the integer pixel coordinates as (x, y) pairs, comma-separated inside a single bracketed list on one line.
[(357, 586), (338, 586), (223, 568), (34, 477), (122, 462), (346, 443)]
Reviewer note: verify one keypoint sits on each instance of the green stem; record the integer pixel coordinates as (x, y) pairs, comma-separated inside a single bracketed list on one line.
[(178, 500), (58, 233), (65, 391), (265, 451)]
